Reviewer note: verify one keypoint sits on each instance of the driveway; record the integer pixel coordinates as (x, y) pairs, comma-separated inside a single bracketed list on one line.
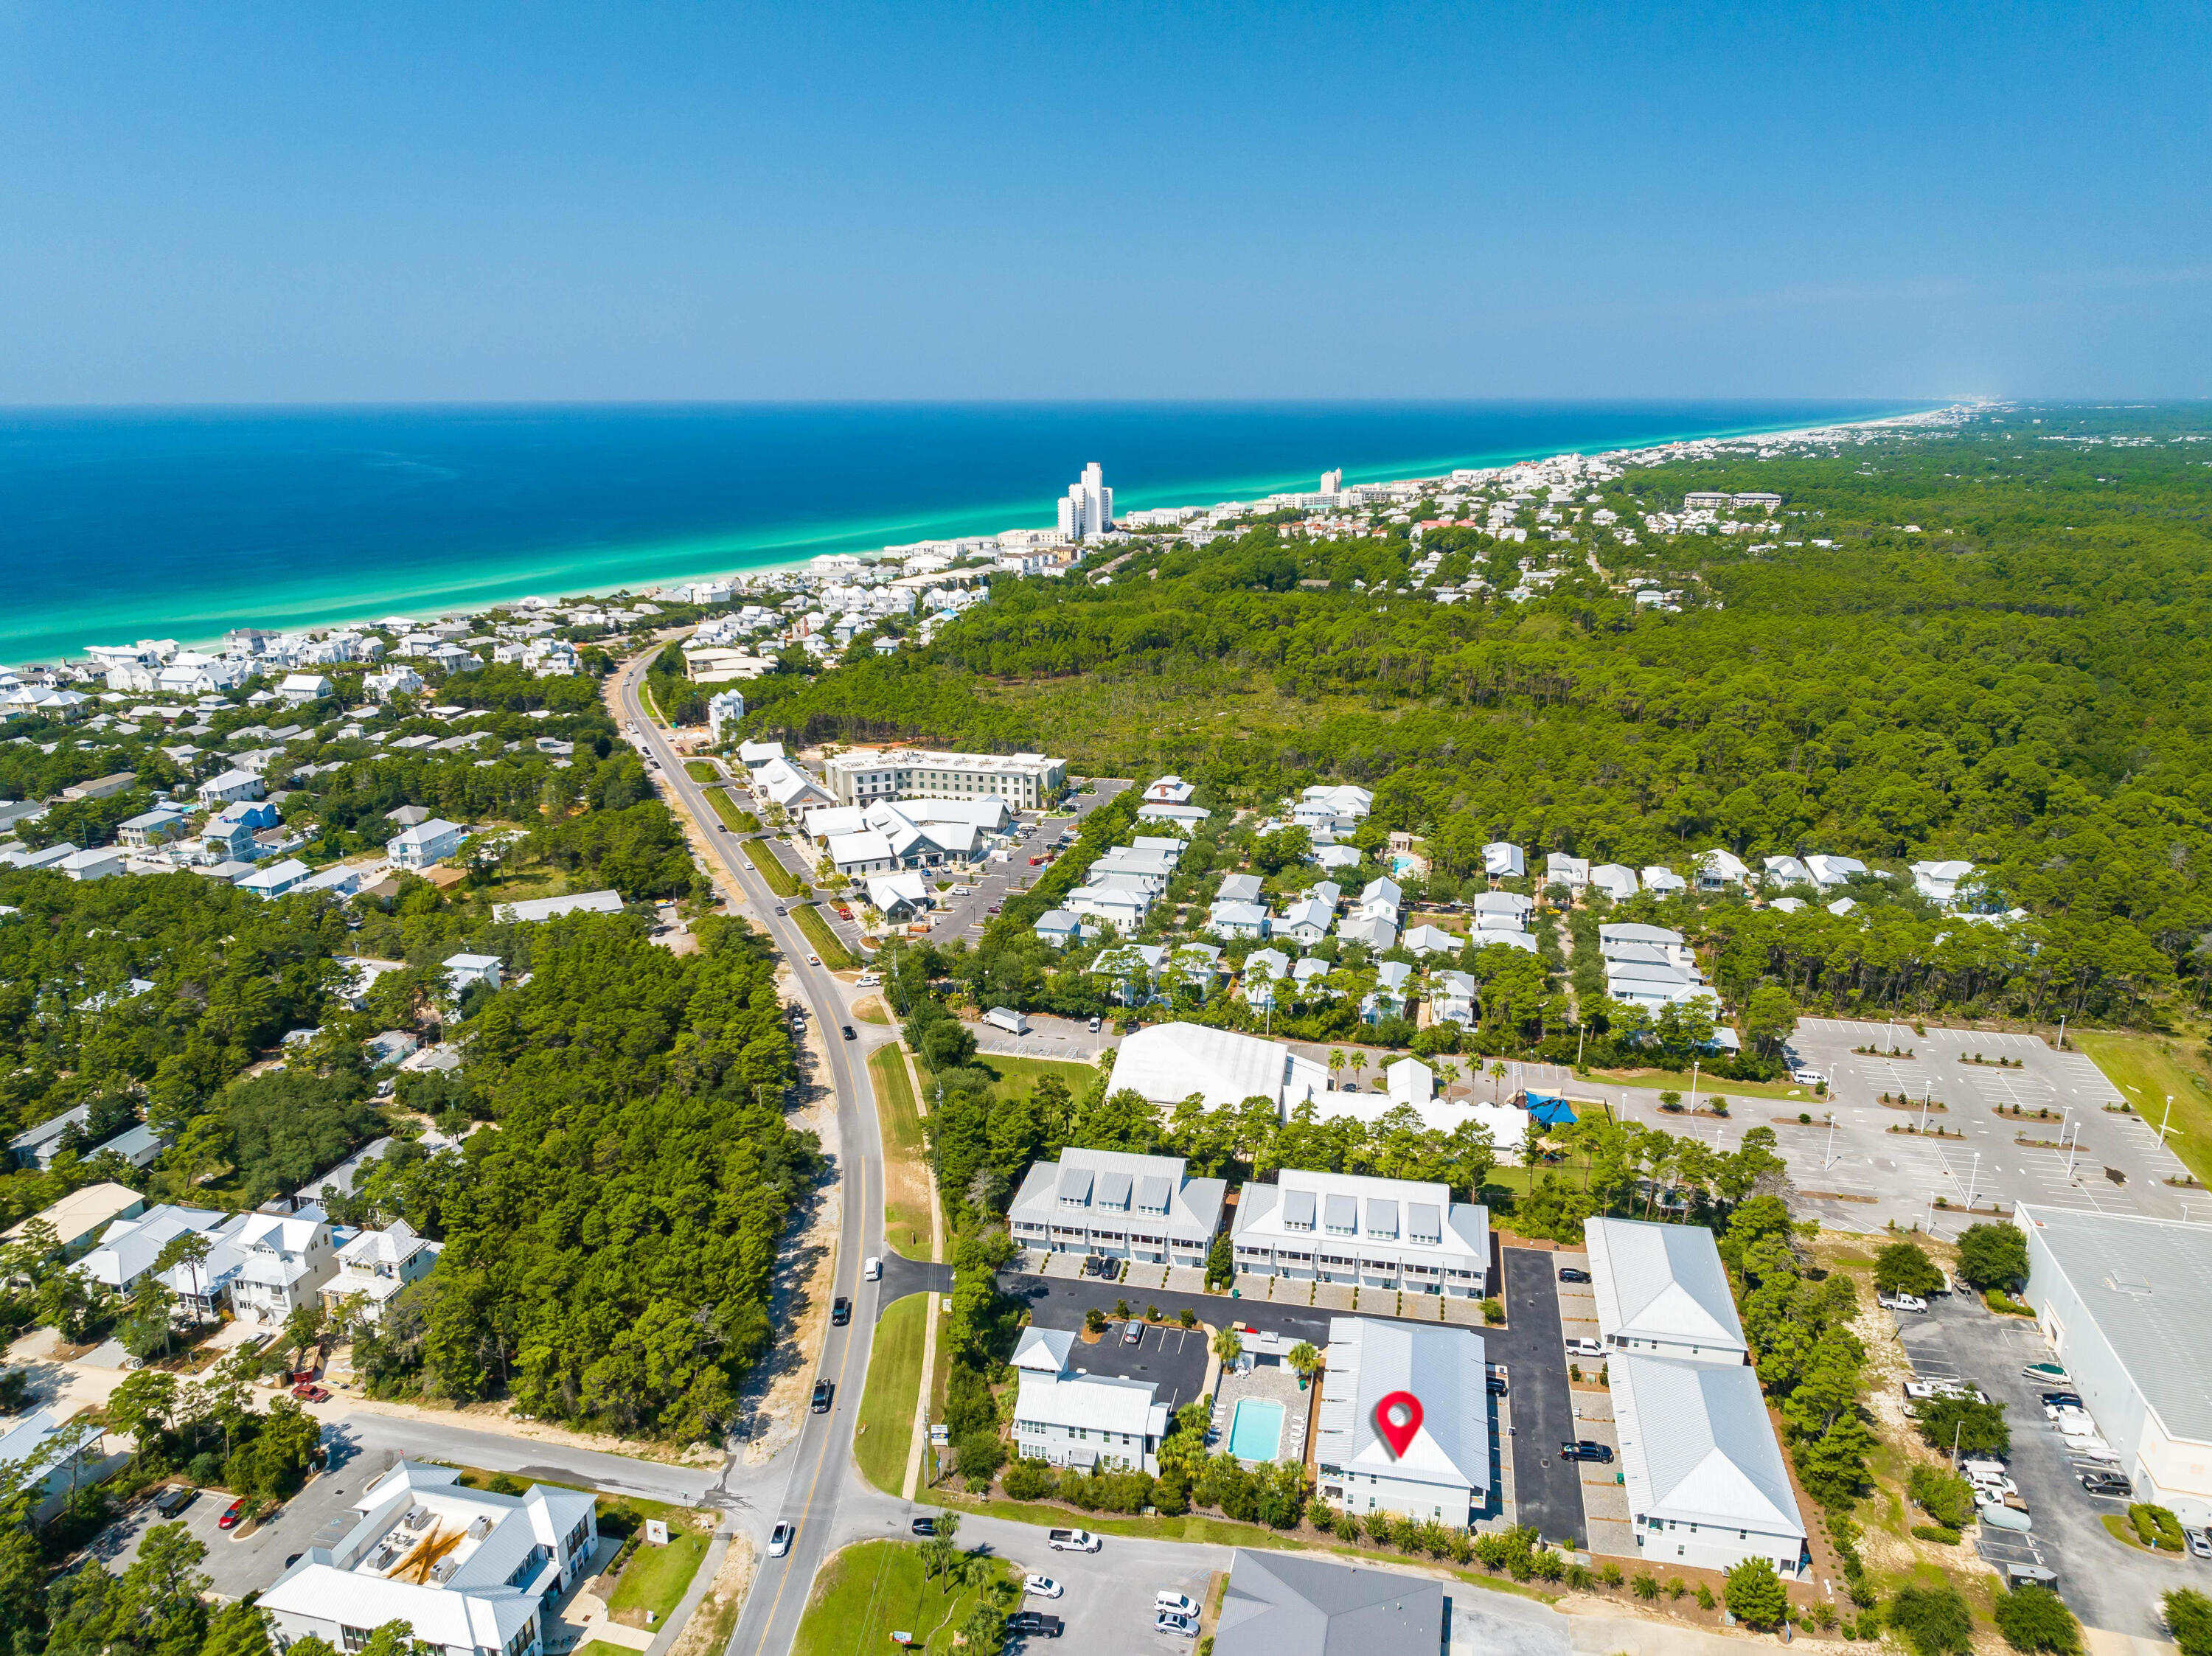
[(1547, 1491), (2108, 1584), (1172, 1358)]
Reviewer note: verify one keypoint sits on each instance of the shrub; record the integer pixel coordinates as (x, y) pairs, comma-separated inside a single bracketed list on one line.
[(1754, 1594), (1933, 1621), (1610, 1575), (1947, 1499), (1676, 1587), (1493, 1313), (1942, 1534), (982, 1454), (1031, 1480), (2035, 1618), (1094, 1321), (1705, 1601), (2189, 1619), (1647, 1586)]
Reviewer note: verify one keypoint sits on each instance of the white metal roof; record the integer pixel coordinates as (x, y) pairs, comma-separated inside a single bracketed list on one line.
[(1662, 1282), (1442, 1365), (2148, 1283), (1096, 1402), (1696, 1444), (1169, 1062)]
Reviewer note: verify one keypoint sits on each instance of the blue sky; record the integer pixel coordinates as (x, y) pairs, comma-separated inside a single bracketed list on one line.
[(397, 202)]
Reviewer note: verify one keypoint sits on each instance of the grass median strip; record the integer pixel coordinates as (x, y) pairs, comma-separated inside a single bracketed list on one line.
[(834, 954), (886, 1429), (780, 880), (909, 1224), (740, 819)]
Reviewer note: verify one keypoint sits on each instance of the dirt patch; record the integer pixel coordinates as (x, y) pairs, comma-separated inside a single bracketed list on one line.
[(501, 1417)]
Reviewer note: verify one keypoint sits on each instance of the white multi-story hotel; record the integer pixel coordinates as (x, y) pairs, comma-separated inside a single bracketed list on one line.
[(1024, 781), (473, 1574), (1119, 1205), (1377, 1232), (1087, 508)]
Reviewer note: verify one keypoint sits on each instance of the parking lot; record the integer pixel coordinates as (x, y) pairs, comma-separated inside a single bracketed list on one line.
[(1172, 1358), (242, 1561), (2108, 1584), (967, 914)]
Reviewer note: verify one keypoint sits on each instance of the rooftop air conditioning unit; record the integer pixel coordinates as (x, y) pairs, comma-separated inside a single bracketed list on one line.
[(415, 1518), (480, 1529)]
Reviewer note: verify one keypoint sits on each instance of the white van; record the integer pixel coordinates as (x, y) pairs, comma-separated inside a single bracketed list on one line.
[(872, 1268)]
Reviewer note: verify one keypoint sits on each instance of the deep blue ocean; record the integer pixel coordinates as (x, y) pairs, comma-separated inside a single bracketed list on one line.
[(118, 524)]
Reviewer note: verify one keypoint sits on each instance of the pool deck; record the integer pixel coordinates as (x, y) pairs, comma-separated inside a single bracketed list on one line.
[(1275, 1383)]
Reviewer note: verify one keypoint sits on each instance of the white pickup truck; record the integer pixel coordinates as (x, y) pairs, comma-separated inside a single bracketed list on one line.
[(1072, 1540)]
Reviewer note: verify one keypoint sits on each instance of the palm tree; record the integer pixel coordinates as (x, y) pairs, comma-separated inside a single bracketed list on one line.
[(1336, 1063), (1228, 1345), (1497, 1081), (1358, 1064), (1304, 1360), (1450, 1071)]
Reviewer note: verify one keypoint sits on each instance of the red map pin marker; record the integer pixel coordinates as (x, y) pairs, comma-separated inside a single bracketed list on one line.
[(1398, 1416)]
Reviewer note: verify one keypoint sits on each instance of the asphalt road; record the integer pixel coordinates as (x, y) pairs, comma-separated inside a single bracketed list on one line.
[(808, 1481)]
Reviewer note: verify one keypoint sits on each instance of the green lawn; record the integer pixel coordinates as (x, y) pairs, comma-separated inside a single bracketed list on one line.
[(601, 1647), (910, 1225), (872, 1011), (2146, 1069), (894, 1385), (780, 880), (1019, 1076), (870, 1591), (834, 954), (740, 819), (702, 770), (655, 1577)]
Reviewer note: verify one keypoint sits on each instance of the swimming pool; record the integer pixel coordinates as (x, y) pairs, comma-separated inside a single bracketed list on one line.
[(1255, 1430)]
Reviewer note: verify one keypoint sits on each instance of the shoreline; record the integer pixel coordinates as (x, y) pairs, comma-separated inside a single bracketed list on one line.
[(687, 562)]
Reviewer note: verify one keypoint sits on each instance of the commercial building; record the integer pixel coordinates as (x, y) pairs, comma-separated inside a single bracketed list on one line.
[(1661, 1289), (1281, 1604), (1119, 1205), (2125, 1303), (1167, 1063), (1025, 781), (1444, 1472), (1375, 1232), (473, 1574), (1706, 1484)]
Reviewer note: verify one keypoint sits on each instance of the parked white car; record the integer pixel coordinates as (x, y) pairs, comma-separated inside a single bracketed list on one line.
[(1173, 1604), (1041, 1586)]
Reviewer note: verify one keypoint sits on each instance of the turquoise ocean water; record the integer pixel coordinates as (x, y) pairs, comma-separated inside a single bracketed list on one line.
[(118, 524)]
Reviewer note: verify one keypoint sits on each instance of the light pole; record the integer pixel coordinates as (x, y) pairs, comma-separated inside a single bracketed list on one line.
[(1693, 1086), (1828, 1155), (1973, 1182), (2071, 1153), (2062, 1032), (1925, 1099)]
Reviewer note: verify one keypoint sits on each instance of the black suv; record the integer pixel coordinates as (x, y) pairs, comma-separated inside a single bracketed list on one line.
[(1586, 1449), (924, 1527), (841, 1311), (1570, 1274), (824, 1390)]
